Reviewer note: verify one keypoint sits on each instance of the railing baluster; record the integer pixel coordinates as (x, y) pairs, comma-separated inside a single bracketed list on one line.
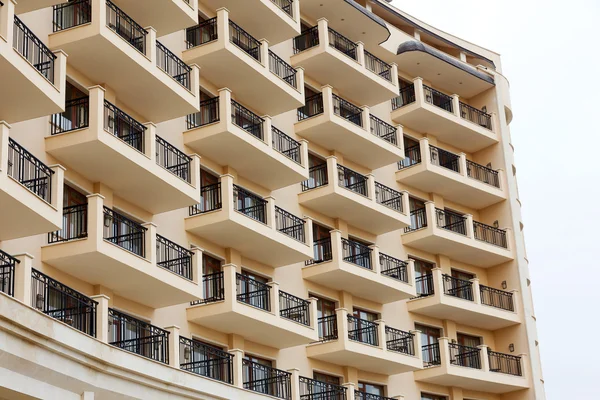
[(124, 232), (267, 380), (357, 253), (173, 65), (289, 224), (456, 287), (205, 360), (175, 258), (294, 308), (7, 273), (172, 159), (29, 171), (33, 50), (322, 251), (252, 292)]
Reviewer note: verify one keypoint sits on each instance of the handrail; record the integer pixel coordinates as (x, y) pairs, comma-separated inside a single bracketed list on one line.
[(383, 130), (7, 273), (490, 234), (173, 65), (352, 180), (175, 258), (406, 96), (313, 106), (505, 363), (204, 32), (496, 298), (348, 111), (322, 251), (252, 292), (75, 116), (363, 331), (120, 124), (33, 50), (393, 267), (464, 356), (312, 389), (328, 329), (438, 99), (74, 225), (343, 44), (399, 341), (211, 200), (306, 40), (412, 156), (267, 380), (444, 158), (29, 171), (173, 160), (483, 174), (451, 221), (357, 253), (208, 114), (205, 360), (282, 69), (317, 177), (289, 224), (250, 204), (378, 66), (124, 232), (418, 220), (71, 14), (244, 41), (388, 197), (285, 145), (247, 120), (475, 115), (213, 286), (294, 308), (461, 288), (124, 26)]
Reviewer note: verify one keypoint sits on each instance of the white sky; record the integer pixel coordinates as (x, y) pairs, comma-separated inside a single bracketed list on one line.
[(551, 55)]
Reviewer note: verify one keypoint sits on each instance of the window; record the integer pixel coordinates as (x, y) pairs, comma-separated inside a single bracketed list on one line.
[(370, 388), (257, 374), (423, 277), (429, 340), (427, 396), (361, 328), (213, 285), (252, 290), (326, 319), (330, 379)]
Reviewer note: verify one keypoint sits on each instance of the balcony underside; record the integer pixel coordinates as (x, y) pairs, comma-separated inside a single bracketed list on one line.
[(352, 141), (166, 16), (253, 158), (132, 176), (24, 6), (472, 379), (446, 126), (358, 281), (226, 65)]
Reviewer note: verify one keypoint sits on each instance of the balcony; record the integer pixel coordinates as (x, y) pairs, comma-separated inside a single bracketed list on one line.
[(435, 170), (31, 193), (113, 49), (231, 135), (425, 109), (33, 77), (467, 301), (340, 192), (236, 304), (369, 346), (472, 368), (104, 144), (335, 124), (360, 270), (273, 20), (331, 58), (230, 57), (232, 217), (165, 16), (457, 236), (97, 244)]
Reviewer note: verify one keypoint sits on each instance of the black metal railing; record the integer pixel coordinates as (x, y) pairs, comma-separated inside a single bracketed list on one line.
[(306, 40), (418, 220), (63, 303), (431, 355), (378, 66), (357, 253), (29, 171), (322, 251), (294, 308), (173, 66), (175, 258), (399, 341), (472, 114), (464, 356), (383, 130), (202, 33), (172, 159), (363, 331), (451, 221), (483, 174), (74, 225), (327, 327), (210, 200), (249, 204), (489, 234), (444, 158), (412, 156), (205, 360), (75, 116), (311, 389), (358, 395), (136, 336), (461, 288), (7, 273), (71, 14), (347, 110), (505, 363), (496, 298), (406, 96), (282, 69), (424, 285), (352, 180), (125, 127), (244, 41), (33, 50), (438, 98), (267, 380), (213, 289), (393, 267), (317, 177), (252, 292), (289, 224), (247, 120), (124, 232), (208, 114), (313, 105), (343, 44), (286, 6), (124, 26), (285, 145), (388, 197)]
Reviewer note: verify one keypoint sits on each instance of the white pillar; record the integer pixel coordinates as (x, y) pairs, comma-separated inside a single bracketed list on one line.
[(462, 164), (323, 26), (375, 264), (381, 337), (264, 52), (456, 105), (151, 45), (337, 252), (229, 285), (295, 380), (308, 231), (350, 388), (360, 53), (102, 326), (223, 25), (271, 217), (150, 242), (95, 218), (23, 278), (57, 186), (366, 118), (150, 141), (485, 360), (197, 264), (87, 396), (417, 344), (173, 346), (444, 351), (419, 94), (238, 368), (267, 132), (60, 71), (314, 318), (475, 289), (371, 187), (469, 226), (274, 298)]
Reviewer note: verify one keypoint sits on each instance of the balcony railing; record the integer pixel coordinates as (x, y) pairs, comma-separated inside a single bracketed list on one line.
[(267, 380), (244, 41), (322, 251), (483, 174), (289, 224), (328, 329), (250, 204), (63, 303), (205, 32), (431, 355), (388, 197), (464, 356), (489, 234), (313, 106), (378, 66), (282, 69), (461, 288), (124, 232), (171, 256), (451, 221), (496, 298), (317, 177), (173, 65), (363, 331), (424, 285), (306, 40), (124, 26), (172, 159), (505, 363), (444, 158), (412, 157), (208, 114), (294, 308), (418, 220), (247, 120), (213, 287), (136, 336), (357, 253), (285, 145), (7, 273), (210, 200), (352, 180), (205, 360), (383, 130), (347, 110), (358, 395), (311, 389), (399, 341), (343, 44), (29, 171), (71, 14), (474, 115), (406, 96), (74, 224), (252, 292), (438, 98), (123, 126), (75, 116), (286, 6), (393, 267), (33, 50)]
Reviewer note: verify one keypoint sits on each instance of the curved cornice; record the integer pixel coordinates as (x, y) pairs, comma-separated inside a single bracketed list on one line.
[(378, 20)]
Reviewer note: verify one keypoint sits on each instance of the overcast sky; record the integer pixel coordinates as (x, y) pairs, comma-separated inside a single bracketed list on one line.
[(550, 53)]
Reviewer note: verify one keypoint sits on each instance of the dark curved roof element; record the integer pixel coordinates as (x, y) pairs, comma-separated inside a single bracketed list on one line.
[(418, 46), (378, 20)]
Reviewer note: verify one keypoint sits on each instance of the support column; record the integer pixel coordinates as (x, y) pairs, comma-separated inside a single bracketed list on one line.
[(342, 323), (410, 272), (271, 217), (227, 197), (23, 278), (238, 368), (150, 141), (444, 351), (57, 186), (366, 118), (300, 78), (151, 52), (375, 262), (332, 171), (469, 226), (314, 318), (4, 135), (350, 388), (405, 202), (360, 53), (456, 105), (381, 337), (304, 153), (327, 95), (274, 298), (371, 187), (323, 27), (308, 231), (337, 252), (95, 218), (476, 291), (419, 95), (430, 214), (417, 344), (230, 285), (394, 75), (462, 164), (102, 326), (438, 287), (173, 346), (195, 172), (197, 264), (150, 242), (424, 150), (223, 25), (483, 356), (264, 52), (60, 70), (267, 130), (96, 95), (295, 380)]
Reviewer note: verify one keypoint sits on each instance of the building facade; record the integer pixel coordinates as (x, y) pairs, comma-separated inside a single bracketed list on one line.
[(253, 199)]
